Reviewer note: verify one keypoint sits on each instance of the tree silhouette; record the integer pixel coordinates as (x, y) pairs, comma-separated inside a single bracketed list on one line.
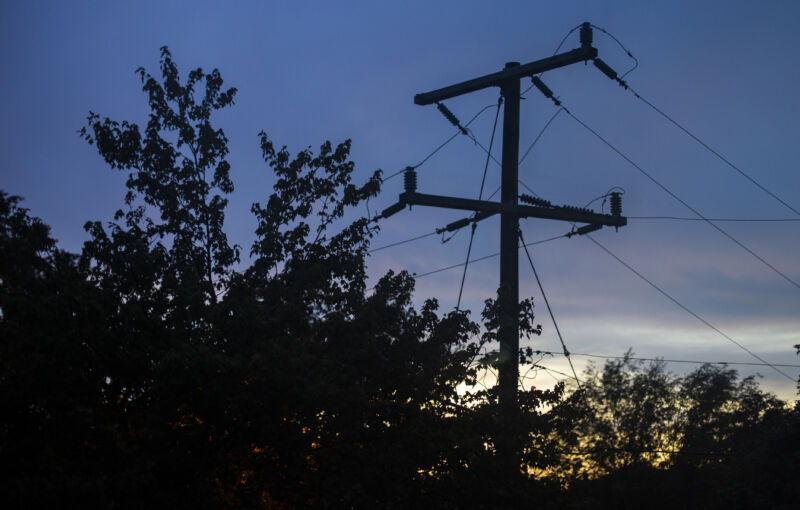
[(148, 372)]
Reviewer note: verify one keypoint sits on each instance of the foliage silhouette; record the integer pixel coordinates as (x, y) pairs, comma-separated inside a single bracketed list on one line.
[(149, 372)]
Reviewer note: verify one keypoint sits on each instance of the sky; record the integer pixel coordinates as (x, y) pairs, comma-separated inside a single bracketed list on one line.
[(314, 71)]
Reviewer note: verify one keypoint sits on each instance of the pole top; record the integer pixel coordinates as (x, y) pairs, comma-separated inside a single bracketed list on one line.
[(586, 35)]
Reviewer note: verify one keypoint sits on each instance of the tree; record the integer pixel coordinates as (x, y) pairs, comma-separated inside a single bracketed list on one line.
[(182, 187), (648, 437)]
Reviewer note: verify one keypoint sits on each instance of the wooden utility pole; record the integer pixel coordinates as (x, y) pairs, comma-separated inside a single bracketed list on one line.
[(508, 449)]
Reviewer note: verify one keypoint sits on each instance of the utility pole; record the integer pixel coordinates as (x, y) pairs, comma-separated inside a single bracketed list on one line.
[(508, 80)]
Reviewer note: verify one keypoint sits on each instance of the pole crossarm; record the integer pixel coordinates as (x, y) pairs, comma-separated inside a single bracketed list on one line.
[(523, 211), (497, 79)]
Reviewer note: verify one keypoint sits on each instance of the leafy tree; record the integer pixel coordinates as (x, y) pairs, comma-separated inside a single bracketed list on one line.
[(179, 168), (148, 372), (647, 437), (58, 434)]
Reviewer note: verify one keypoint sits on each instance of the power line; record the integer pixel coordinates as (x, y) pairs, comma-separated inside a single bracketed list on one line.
[(480, 196), (684, 203), (683, 128), (635, 60), (549, 309), (696, 362), (423, 236), (712, 219), (398, 243), (437, 149), (547, 124), (415, 275), (559, 373), (714, 152), (686, 309)]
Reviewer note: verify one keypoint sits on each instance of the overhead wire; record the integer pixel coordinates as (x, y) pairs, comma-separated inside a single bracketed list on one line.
[(549, 309), (686, 309), (686, 130), (480, 196), (635, 60), (398, 243), (560, 373), (683, 202), (713, 219), (667, 360), (441, 146), (714, 152), (547, 124), (485, 257)]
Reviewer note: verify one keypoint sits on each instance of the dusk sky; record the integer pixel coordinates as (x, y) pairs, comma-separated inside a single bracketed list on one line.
[(314, 71)]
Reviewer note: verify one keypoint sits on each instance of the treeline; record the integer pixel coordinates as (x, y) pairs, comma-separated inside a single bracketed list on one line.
[(147, 372)]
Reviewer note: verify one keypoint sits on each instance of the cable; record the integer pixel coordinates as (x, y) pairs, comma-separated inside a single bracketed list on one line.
[(539, 136), (398, 243), (717, 154), (676, 197), (559, 373), (415, 275), (696, 316), (681, 127), (549, 309), (491, 144), (480, 195), (437, 149), (528, 188), (563, 40), (696, 362), (635, 60), (710, 219)]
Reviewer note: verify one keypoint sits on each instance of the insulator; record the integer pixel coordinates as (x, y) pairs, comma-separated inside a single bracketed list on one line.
[(528, 199), (457, 224), (605, 69), (449, 115), (544, 89), (616, 203), (410, 179), (586, 34)]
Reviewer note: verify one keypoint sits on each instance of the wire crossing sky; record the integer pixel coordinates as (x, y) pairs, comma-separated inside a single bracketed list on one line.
[(710, 76)]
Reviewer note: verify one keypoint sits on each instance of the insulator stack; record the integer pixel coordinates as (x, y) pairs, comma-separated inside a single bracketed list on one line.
[(544, 89), (410, 180), (449, 115), (578, 209), (586, 34), (529, 199), (605, 69), (616, 203)]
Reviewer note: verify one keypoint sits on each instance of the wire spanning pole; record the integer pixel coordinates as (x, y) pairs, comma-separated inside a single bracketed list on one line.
[(508, 80)]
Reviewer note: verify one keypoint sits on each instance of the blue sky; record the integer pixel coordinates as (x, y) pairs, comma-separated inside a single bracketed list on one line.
[(311, 71)]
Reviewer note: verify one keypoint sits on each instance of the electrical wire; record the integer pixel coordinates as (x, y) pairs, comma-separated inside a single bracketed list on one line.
[(712, 219), (714, 152), (696, 362), (398, 243), (635, 60), (684, 203), (686, 309), (415, 275), (442, 145), (549, 309), (539, 136), (560, 373), (480, 196), (560, 44)]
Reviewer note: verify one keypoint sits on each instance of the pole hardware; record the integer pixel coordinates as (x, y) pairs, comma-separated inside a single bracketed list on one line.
[(510, 210)]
